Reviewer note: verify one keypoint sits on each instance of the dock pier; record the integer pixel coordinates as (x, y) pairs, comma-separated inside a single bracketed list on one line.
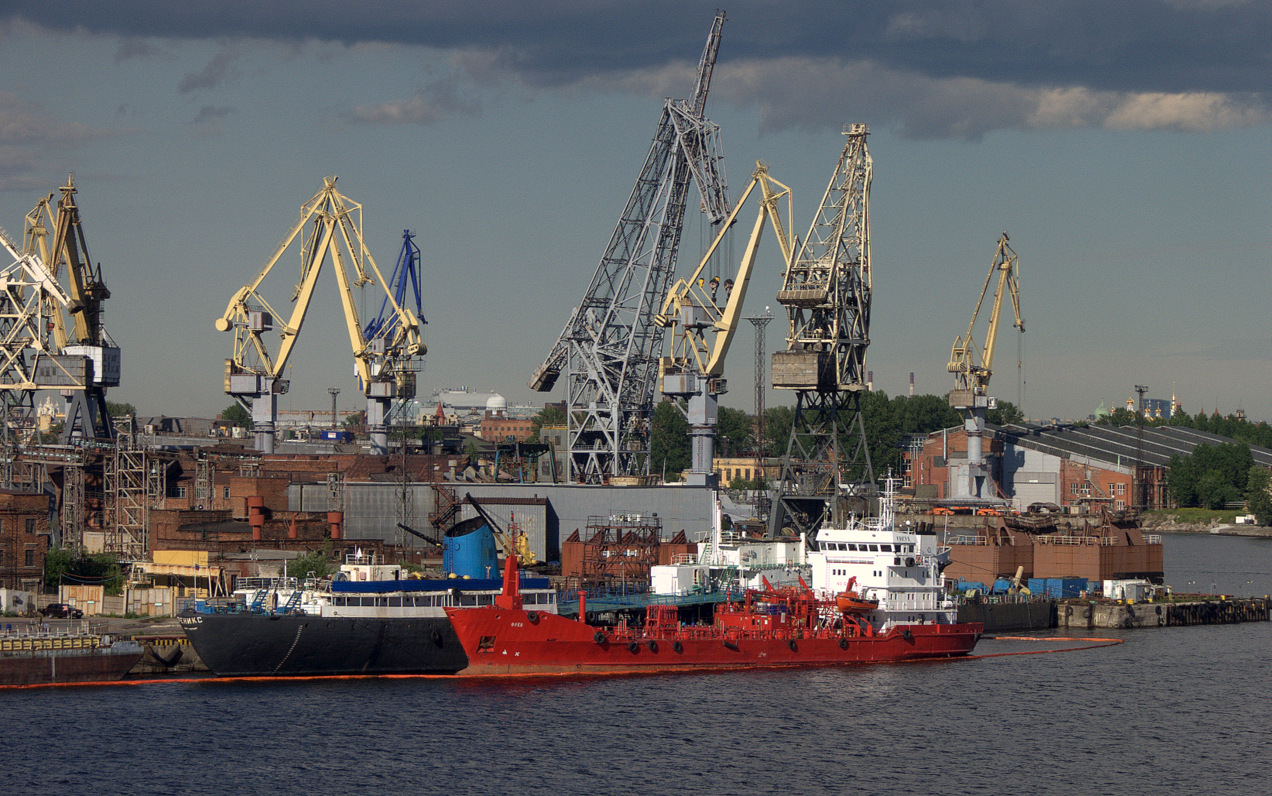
[(1222, 610)]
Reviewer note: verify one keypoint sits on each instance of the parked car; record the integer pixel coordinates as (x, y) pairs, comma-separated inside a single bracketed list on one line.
[(61, 611)]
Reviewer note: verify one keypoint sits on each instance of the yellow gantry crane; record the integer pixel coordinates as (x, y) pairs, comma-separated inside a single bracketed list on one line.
[(704, 322), (973, 367), (385, 358)]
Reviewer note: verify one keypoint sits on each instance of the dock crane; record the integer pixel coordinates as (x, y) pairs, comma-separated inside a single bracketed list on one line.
[(56, 238), (610, 346), (704, 323), (827, 293), (385, 356), (403, 284), (973, 367)]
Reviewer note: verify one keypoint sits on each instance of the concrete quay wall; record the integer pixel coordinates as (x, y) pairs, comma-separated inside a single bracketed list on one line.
[(1089, 615)]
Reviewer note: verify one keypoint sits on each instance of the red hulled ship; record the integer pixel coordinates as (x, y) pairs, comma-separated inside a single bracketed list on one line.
[(876, 597)]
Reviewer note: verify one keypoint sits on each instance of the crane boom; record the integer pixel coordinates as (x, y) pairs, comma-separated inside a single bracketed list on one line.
[(972, 369), (610, 346), (704, 328)]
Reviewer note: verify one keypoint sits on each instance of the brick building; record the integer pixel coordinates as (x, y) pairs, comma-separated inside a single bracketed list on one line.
[(24, 538)]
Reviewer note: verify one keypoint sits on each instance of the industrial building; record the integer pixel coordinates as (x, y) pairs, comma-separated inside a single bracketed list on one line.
[(1081, 468)]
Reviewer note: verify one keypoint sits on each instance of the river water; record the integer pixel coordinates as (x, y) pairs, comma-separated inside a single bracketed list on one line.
[(1172, 710)]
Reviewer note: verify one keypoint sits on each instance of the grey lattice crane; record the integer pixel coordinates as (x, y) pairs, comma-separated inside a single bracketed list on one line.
[(609, 349), (827, 295)]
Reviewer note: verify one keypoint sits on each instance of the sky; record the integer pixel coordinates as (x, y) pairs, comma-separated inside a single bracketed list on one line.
[(1126, 148)]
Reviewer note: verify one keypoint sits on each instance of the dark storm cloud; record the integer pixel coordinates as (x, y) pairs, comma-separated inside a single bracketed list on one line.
[(1132, 45), (941, 67)]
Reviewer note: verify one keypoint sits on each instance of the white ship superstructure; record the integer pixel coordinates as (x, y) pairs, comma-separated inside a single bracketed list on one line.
[(897, 568)]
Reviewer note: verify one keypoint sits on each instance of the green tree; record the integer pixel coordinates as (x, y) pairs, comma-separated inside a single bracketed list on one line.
[(734, 432), (778, 421), (1211, 475), (669, 446), (1258, 495), (317, 564), (550, 415), (120, 410), (236, 416), (1006, 413), (62, 565)]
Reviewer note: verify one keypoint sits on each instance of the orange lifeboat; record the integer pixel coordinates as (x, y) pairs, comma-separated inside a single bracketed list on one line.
[(849, 602)]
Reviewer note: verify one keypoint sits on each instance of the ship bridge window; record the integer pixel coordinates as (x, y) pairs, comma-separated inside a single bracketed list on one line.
[(874, 548), (887, 548), (852, 547)]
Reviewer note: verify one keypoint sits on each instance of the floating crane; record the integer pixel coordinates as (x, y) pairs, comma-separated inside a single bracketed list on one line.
[(56, 239), (386, 353), (704, 322), (973, 367), (610, 346), (827, 292)]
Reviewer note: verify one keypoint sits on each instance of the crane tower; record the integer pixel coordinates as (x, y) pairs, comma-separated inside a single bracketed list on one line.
[(385, 352), (826, 292), (973, 367), (610, 347)]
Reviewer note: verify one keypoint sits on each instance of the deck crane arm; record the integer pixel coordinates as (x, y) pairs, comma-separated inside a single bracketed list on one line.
[(972, 369), (252, 372)]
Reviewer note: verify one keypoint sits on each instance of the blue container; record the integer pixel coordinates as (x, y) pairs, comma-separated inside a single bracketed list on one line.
[(469, 550), (1001, 586), (1037, 586), (1072, 587)]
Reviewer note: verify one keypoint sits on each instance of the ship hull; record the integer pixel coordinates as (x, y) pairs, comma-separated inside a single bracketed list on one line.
[(58, 666), (504, 642), (300, 645)]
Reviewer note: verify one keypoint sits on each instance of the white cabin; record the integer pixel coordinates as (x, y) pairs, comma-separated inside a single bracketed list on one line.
[(897, 567)]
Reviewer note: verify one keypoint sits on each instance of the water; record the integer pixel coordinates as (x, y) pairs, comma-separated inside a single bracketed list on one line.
[(1167, 711)]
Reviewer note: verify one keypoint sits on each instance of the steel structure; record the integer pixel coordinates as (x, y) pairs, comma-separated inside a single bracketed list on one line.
[(56, 237), (826, 293), (385, 353), (609, 348), (704, 322), (39, 348), (404, 287), (972, 368)]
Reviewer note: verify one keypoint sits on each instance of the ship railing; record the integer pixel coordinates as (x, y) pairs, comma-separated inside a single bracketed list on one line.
[(1152, 538), (51, 629), (1072, 541), (968, 540)]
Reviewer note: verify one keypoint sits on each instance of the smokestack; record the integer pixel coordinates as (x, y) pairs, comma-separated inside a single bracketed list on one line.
[(870, 380), (911, 384)]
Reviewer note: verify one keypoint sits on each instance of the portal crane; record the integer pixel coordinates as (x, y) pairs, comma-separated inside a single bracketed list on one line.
[(827, 293), (384, 357), (403, 284), (56, 237), (972, 369), (704, 323), (610, 346)]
